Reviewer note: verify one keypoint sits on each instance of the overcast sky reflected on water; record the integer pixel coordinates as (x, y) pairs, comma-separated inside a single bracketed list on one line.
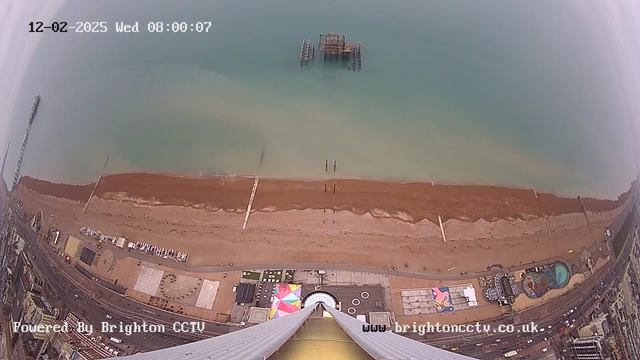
[(497, 92)]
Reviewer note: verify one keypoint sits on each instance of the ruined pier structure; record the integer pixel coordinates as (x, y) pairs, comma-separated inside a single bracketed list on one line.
[(334, 47), (307, 52)]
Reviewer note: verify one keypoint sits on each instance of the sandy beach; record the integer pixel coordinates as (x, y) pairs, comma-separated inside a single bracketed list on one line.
[(375, 223), (410, 202)]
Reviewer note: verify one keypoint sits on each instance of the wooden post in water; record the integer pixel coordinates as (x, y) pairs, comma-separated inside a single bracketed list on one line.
[(335, 162)]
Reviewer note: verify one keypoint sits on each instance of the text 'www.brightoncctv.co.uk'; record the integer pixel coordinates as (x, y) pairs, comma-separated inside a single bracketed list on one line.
[(427, 328)]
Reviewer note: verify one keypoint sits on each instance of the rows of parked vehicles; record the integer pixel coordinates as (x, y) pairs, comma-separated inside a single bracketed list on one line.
[(158, 251), (118, 241)]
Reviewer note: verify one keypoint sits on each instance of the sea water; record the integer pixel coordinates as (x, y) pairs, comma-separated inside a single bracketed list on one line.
[(517, 94)]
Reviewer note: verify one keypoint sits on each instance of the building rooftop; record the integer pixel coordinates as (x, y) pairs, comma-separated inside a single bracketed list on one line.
[(40, 303), (245, 293)]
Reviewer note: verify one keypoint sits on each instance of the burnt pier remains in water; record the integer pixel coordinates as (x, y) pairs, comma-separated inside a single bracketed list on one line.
[(307, 52), (334, 47)]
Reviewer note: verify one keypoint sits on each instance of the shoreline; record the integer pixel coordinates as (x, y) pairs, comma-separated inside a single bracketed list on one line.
[(195, 175), (410, 202), (214, 236)]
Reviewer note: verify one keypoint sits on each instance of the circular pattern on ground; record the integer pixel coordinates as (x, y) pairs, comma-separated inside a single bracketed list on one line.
[(355, 302), (562, 274), (179, 287), (320, 296), (105, 262), (351, 310), (364, 295)]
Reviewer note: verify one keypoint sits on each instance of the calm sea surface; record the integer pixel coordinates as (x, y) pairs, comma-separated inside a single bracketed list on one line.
[(501, 92)]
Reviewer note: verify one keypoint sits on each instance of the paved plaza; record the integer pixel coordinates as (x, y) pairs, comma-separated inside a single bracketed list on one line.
[(354, 300), (148, 280), (182, 289), (207, 295)]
